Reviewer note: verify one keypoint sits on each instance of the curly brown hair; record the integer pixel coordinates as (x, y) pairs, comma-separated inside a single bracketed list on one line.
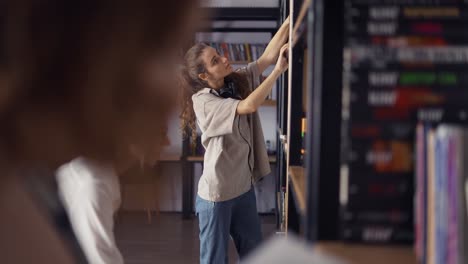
[(191, 84)]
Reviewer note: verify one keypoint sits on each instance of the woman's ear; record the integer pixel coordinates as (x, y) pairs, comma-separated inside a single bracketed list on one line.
[(203, 76)]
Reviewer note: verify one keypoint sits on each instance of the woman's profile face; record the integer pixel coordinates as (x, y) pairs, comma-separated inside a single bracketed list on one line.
[(217, 66)]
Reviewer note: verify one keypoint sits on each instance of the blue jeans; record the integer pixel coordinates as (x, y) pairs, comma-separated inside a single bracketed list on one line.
[(237, 218)]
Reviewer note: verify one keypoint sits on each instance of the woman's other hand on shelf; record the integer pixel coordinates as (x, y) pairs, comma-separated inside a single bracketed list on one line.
[(257, 97), (282, 62), (272, 51)]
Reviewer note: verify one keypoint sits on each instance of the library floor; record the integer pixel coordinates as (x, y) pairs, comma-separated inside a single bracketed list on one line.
[(168, 239)]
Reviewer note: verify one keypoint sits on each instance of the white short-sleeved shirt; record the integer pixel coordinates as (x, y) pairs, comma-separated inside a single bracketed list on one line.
[(90, 192), (235, 153)]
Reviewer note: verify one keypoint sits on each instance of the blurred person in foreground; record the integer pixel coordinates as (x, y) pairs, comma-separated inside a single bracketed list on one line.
[(78, 78), (91, 194)]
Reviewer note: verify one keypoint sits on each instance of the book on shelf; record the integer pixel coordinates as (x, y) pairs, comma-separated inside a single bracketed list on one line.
[(420, 212), (380, 130), (367, 193), (381, 156), (441, 214), (377, 216), (377, 233)]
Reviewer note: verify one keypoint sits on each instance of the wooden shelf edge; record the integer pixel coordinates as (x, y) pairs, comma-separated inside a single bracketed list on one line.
[(195, 158), (367, 254), (297, 177)]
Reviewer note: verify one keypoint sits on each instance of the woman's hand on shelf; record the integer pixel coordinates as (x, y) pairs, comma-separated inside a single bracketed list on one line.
[(270, 55), (282, 62)]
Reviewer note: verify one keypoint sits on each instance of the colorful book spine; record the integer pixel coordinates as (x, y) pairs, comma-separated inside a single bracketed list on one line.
[(430, 247), (420, 193), (440, 194)]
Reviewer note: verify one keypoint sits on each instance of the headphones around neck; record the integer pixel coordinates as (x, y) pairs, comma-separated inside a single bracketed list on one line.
[(228, 90)]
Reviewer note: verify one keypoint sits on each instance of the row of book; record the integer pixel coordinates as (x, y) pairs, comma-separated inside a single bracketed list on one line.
[(239, 52), (441, 195), (400, 56)]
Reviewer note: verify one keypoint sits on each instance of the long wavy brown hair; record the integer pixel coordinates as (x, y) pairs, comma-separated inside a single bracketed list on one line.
[(191, 84)]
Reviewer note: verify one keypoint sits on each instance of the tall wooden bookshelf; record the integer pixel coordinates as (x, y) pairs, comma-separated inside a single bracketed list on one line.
[(373, 70)]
